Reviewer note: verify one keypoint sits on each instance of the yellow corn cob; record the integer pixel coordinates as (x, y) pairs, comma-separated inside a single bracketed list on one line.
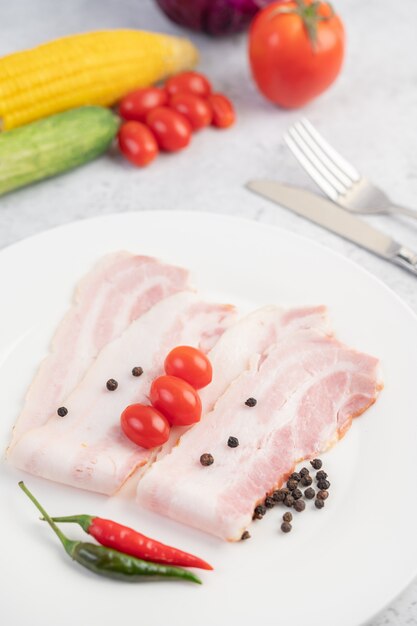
[(91, 68)]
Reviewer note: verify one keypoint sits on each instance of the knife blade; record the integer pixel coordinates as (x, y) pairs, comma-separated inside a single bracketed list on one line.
[(329, 215)]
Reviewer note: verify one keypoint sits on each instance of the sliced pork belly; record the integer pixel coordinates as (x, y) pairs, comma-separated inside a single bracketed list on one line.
[(308, 387), (251, 336), (242, 342), (119, 289), (87, 447)]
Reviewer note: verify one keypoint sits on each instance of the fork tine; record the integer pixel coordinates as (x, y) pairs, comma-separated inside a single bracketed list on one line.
[(346, 167), (338, 186), (325, 161), (310, 168)]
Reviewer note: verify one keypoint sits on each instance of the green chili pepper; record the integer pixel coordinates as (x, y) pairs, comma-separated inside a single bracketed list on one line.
[(112, 563)]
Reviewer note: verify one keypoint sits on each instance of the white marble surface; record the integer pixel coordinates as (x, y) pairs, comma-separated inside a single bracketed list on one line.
[(369, 114)]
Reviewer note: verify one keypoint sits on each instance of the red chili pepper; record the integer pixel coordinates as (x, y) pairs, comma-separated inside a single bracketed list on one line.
[(129, 541)]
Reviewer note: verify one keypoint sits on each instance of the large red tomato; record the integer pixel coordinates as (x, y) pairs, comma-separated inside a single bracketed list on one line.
[(296, 50)]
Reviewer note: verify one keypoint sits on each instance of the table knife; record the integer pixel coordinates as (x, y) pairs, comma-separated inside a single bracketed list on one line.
[(325, 213)]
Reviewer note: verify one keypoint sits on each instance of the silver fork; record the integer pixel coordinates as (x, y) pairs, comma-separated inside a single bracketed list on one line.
[(335, 176)]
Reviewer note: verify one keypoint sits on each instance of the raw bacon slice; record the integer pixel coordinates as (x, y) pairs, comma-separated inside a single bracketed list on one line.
[(87, 447), (119, 289), (308, 387), (242, 342), (251, 336)]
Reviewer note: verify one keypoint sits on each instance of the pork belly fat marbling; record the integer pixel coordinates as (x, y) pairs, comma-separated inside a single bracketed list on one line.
[(119, 289), (308, 387), (87, 447), (243, 341)]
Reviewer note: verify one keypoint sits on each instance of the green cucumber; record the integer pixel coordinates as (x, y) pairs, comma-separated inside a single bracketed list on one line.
[(54, 144)]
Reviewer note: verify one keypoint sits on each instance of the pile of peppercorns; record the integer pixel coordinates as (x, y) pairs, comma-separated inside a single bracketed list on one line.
[(292, 496)]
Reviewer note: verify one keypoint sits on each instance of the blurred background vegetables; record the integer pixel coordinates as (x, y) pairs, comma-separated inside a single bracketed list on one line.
[(214, 17), (92, 68), (164, 118), (296, 50), (54, 145), (137, 143)]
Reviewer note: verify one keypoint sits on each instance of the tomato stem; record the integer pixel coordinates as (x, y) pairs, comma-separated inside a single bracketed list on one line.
[(310, 16)]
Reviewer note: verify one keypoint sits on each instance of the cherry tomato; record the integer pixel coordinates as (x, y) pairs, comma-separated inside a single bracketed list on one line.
[(144, 425), (190, 364), (137, 104), (197, 110), (223, 111), (295, 53), (176, 399), (171, 129), (189, 82), (137, 143)]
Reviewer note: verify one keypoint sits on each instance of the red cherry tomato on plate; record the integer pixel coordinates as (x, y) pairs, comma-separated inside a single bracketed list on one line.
[(176, 399), (190, 364), (189, 82), (137, 104), (171, 129), (137, 143), (197, 110), (223, 111), (144, 425)]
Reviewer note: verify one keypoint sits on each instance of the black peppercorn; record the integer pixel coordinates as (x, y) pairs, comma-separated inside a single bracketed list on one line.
[(287, 517), (306, 480), (316, 463), (295, 476), (246, 535), (259, 511), (299, 505), (292, 484), (322, 494), (286, 527), (206, 459), (112, 384), (233, 442), (296, 494), (289, 501), (323, 484), (309, 493), (62, 411), (279, 495), (321, 475), (250, 402), (319, 503), (269, 502), (304, 472), (137, 371)]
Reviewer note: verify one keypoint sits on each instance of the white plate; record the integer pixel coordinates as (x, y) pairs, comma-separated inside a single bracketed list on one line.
[(340, 565)]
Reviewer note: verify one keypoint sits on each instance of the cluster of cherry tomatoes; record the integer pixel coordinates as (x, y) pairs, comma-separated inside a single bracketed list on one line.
[(164, 118), (174, 399)]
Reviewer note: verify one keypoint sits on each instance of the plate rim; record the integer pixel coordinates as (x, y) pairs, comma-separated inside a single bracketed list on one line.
[(212, 214)]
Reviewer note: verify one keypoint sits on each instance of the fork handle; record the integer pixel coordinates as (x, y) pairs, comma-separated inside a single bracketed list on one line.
[(402, 210)]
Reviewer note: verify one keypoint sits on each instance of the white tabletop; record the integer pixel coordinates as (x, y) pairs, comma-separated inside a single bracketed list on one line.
[(369, 115)]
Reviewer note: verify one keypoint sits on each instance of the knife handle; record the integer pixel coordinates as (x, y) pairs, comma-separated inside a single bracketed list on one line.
[(406, 258)]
